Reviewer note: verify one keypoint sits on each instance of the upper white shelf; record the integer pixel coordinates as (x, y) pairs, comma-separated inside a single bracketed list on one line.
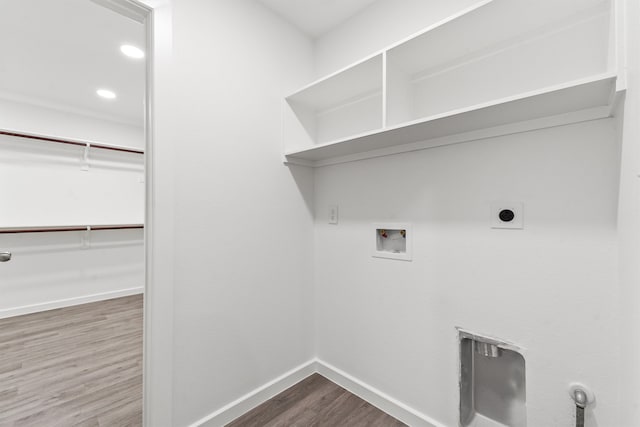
[(359, 80), (346, 103), (577, 101), (502, 66)]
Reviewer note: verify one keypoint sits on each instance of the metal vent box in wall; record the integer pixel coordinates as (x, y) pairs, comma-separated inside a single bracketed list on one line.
[(392, 241), (492, 382)]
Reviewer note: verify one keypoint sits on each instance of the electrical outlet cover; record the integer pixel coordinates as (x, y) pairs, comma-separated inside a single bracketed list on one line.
[(333, 214), (507, 215)]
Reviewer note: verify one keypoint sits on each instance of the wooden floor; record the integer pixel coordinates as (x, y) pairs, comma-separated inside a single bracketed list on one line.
[(76, 366), (316, 402)]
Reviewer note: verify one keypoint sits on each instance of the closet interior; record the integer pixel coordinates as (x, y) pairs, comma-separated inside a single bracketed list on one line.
[(72, 164)]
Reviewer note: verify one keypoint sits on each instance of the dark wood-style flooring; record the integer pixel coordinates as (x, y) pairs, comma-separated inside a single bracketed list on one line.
[(72, 367), (315, 402), (81, 366)]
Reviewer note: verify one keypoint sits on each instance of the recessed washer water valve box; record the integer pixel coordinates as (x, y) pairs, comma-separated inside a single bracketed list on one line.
[(393, 241)]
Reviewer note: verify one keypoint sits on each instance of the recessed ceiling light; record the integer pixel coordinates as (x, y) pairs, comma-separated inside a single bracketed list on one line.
[(105, 93), (132, 51)]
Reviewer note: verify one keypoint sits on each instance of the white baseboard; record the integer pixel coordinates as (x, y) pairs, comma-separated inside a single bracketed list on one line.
[(377, 398), (68, 302), (382, 401), (233, 410)]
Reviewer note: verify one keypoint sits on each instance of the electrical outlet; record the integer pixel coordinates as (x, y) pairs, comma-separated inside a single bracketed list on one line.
[(507, 215), (333, 214)]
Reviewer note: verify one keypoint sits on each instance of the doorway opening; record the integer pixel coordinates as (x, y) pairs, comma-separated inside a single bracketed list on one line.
[(74, 144)]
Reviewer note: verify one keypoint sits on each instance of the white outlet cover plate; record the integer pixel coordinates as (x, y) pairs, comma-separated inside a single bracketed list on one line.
[(516, 207), (333, 214)]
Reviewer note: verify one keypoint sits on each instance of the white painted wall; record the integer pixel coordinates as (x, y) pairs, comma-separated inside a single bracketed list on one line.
[(55, 270), (45, 186), (629, 221), (48, 120), (48, 186), (396, 20), (232, 227), (229, 298), (551, 288)]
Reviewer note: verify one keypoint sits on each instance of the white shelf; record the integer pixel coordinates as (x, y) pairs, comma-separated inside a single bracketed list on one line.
[(344, 104), (502, 49), (362, 78), (69, 141), (576, 101), (502, 66)]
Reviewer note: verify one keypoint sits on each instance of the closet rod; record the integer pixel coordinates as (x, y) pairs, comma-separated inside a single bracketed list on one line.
[(70, 142), (18, 230)]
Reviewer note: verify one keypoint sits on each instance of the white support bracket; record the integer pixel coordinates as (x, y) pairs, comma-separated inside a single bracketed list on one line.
[(86, 238), (85, 158)]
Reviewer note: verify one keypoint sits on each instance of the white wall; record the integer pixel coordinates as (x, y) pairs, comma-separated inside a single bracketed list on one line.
[(235, 224), (42, 119), (551, 288), (46, 186), (629, 222), (52, 270), (395, 20), (229, 298)]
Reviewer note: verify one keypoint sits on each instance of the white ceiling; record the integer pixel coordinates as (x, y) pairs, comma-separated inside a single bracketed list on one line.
[(57, 53), (316, 17)]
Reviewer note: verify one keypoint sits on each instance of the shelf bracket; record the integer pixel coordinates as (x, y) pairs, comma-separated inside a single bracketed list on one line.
[(86, 238), (85, 158)]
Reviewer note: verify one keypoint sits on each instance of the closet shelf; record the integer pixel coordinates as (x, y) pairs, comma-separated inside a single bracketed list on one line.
[(499, 67), (68, 141), (65, 228), (586, 99)]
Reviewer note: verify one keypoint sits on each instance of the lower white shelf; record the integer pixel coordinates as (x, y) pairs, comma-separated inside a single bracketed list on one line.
[(67, 228), (586, 99)]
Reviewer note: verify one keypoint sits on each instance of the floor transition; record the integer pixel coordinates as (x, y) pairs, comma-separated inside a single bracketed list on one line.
[(75, 366)]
